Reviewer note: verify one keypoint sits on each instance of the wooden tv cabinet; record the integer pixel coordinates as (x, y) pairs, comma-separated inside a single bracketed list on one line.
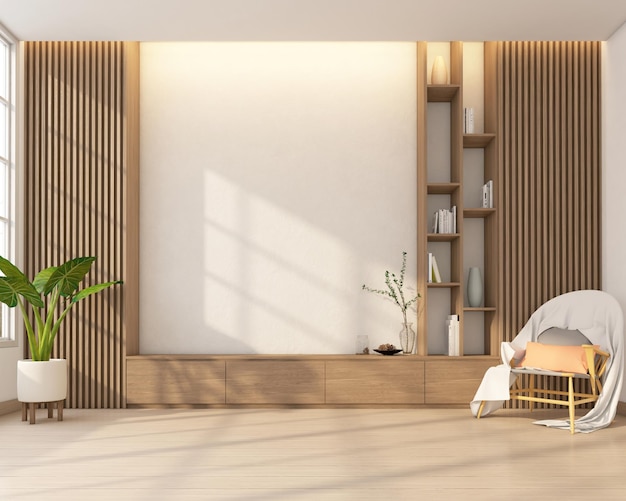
[(302, 380)]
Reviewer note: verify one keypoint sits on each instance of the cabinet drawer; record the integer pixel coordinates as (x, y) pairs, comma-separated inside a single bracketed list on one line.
[(394, 381), (175, 382), (275, 382), (454, 381)]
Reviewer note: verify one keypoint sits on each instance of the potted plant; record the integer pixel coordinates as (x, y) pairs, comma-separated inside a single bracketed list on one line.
[(395, 292), (50, 296)]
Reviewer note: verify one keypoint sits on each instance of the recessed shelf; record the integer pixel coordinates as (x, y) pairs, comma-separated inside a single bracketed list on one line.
[(442, 237), (442, 188), (478, 212), (477, 140), (442, 179), (441, 93)]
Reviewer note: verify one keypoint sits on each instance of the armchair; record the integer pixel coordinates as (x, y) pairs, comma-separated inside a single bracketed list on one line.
[(575, 336)]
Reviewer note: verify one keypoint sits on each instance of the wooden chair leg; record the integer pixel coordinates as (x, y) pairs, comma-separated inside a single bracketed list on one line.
[(60, 410), (480, 409), (531, 391), (24, 411), (50, 406), (31, 409), (572, 414)]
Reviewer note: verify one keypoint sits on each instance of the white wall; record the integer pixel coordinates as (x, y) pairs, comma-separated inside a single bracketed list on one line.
[(8, 372), (276, 179), (614, 174)]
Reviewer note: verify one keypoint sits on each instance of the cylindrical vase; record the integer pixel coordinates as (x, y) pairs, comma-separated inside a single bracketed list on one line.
[(474, 287)]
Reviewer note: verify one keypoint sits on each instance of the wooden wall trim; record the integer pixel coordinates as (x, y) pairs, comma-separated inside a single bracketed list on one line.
[(131, 197), (81, 186), (422, 205)]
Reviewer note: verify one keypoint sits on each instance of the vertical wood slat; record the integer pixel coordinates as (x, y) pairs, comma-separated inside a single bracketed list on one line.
[(492, 242), (456, 176), (80, 123), (550, 157), (422, 206)]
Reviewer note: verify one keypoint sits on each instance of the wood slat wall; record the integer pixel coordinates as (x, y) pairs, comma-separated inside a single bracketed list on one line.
[(550, 191), (81, 199), (550, 157)]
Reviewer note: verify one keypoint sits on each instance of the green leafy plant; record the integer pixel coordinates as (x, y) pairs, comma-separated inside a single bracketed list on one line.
[(395, 290), (51, 295)]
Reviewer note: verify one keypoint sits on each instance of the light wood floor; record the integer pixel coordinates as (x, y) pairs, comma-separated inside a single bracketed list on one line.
[(312, 454)]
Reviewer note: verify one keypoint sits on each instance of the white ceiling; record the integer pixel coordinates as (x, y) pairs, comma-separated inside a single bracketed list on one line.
[(312, 20)]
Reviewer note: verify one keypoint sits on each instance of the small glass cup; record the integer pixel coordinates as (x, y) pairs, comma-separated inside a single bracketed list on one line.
[(362, 344)]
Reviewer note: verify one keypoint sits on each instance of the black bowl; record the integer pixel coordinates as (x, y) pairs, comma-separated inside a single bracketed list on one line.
[(387, 352)]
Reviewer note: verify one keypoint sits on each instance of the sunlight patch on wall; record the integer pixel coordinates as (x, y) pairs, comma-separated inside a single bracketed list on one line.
[(267, 271)]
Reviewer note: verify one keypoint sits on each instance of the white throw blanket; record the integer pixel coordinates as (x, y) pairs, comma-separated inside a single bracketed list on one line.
[(599, 317)]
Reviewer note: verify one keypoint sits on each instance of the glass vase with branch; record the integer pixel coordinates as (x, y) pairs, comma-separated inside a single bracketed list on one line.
[(395, 292)]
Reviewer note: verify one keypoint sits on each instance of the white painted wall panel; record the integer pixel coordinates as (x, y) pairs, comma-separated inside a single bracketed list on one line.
[(614, 174), (276, 179)]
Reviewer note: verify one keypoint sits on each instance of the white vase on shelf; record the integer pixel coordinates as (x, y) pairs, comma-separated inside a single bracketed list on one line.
[(474, 287), (439, 74)]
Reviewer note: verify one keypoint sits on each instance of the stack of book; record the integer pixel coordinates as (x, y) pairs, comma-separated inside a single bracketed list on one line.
[(434, 276), (444, 221), (452, 329), (487, 201)]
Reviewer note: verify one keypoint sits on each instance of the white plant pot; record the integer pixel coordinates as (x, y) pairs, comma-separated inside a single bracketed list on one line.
[(41, 381)]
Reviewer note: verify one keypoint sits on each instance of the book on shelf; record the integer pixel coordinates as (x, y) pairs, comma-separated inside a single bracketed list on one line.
[(453, 216), (444, 221), (468, 120), (487, 198), (434, 276), (453, 331), (430, 268)]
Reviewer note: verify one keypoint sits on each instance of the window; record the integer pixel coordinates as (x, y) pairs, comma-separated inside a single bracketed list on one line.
[(7, 170)]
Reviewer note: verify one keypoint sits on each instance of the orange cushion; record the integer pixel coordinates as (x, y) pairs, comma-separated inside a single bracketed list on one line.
[(555, 358)]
